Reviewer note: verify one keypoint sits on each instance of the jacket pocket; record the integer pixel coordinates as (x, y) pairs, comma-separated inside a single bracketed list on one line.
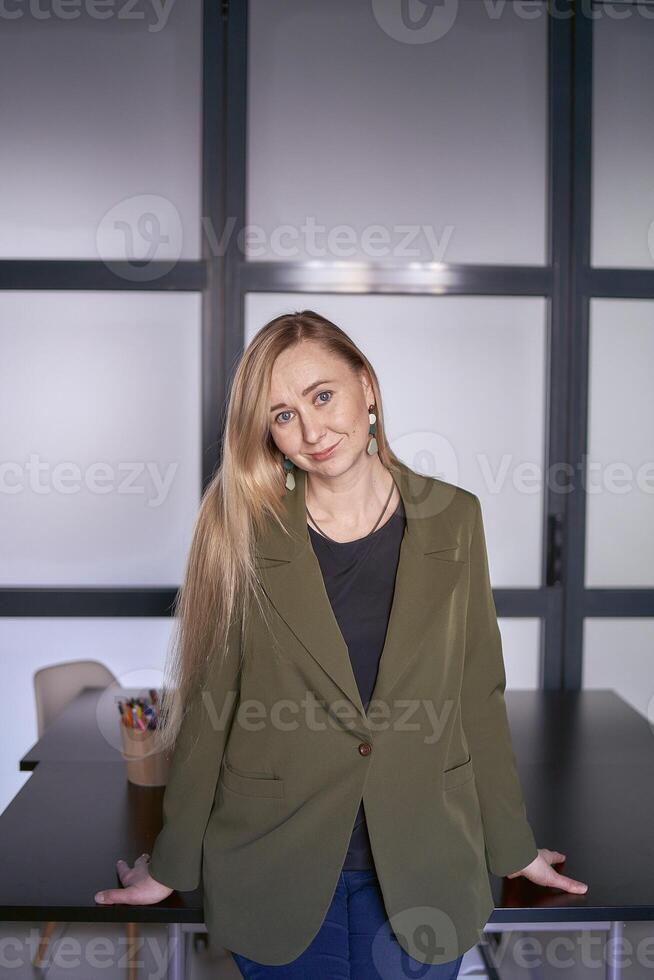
[(457, 775), (447, 555), (252, 784)]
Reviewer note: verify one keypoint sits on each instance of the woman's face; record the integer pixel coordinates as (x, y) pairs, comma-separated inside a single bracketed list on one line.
[(335, 411)]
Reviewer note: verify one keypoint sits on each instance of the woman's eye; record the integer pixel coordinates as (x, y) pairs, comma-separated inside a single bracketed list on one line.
[(283, 421)]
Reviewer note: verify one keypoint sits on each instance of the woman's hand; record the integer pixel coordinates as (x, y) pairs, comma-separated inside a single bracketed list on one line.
[(541, 872), (139, 887)]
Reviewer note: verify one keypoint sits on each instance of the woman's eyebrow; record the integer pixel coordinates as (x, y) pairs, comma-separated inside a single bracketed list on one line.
[(327, 381)]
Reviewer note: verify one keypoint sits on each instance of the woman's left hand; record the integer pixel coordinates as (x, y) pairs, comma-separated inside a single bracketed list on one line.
[(541, 872)]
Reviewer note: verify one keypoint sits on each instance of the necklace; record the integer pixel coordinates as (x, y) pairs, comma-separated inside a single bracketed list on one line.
[(370, 532)]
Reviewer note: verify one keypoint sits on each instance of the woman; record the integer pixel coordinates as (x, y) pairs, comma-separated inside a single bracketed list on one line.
[(343, 778)]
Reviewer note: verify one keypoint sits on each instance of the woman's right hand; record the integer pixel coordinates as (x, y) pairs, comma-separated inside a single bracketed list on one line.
[(139, 887)]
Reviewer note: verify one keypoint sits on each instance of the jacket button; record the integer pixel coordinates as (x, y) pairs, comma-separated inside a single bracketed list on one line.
[(365, 748)]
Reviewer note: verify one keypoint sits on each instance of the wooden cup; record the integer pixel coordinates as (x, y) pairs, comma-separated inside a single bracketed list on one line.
[(147, 764)]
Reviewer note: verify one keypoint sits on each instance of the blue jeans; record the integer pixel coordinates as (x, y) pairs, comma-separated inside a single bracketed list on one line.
[(354, 942)]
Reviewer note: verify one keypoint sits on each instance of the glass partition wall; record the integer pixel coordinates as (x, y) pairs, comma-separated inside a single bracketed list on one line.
[(468, 195)]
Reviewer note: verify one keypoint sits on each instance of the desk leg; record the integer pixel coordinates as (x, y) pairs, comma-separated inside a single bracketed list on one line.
[(176, 951), (614, 952)]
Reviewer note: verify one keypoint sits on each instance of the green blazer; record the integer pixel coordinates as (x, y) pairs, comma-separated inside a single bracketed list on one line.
[(273, 759)]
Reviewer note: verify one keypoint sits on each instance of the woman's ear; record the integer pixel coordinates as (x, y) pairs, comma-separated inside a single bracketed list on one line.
[(366, 384)]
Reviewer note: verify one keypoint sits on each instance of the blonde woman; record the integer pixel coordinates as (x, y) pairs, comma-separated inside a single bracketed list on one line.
[(343, 778)]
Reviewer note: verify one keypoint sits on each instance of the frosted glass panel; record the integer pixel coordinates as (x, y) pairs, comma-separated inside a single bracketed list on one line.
[(619, 656), (100, 436), (521, 651), (463, 381), (620, 501), (101, 120), (367, 139), (623, 139), (133, 649)]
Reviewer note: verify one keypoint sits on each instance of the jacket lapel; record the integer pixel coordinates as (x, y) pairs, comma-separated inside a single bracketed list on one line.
[(426, 575)]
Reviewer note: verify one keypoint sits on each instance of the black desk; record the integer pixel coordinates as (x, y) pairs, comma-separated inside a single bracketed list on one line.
[(60, 838), (61, 835), (586, 762), (86, 730)]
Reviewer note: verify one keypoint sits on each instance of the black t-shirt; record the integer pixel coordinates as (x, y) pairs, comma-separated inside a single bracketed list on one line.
[(359, 579)]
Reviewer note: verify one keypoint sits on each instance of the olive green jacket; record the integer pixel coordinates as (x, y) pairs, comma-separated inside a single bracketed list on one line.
[(274, 757)]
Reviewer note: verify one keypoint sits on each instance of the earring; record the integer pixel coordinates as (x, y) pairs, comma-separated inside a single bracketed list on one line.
[(371, 448), (290, 476)]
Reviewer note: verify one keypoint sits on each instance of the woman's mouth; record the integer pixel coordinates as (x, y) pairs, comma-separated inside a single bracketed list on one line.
[(327, 453)]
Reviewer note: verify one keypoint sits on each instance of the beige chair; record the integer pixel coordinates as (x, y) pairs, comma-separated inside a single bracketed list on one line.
[(54, 688)]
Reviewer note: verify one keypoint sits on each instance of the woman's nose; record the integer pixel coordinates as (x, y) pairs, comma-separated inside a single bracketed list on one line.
[(313, 432)]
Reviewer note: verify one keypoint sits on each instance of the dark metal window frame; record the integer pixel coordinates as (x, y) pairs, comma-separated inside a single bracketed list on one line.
[(567, 282), (588, 283), (206, 275)]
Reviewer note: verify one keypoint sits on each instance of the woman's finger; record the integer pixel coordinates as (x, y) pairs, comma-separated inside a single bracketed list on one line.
[(121, 896), (141, 860), (113, 896), (557, 880), (123, 869)]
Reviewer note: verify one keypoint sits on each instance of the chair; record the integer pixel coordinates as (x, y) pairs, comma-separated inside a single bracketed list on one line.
[(57, 685), (54, 688)]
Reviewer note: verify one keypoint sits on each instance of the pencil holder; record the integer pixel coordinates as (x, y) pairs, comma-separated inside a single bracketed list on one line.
[(147, 763)]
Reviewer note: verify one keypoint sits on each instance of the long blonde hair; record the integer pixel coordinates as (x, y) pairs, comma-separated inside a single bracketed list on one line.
[(246, 491)]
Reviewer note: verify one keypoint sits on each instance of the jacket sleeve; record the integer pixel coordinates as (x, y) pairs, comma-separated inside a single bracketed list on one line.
[(509, 840), (176, 858)]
